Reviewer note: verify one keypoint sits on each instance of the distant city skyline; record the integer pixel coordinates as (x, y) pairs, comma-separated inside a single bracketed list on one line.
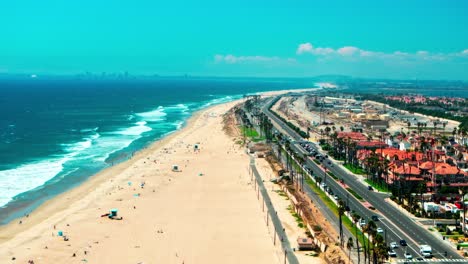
[(369, 39)]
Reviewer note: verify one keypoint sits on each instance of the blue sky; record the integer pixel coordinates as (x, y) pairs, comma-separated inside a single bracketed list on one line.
[(388, 39)]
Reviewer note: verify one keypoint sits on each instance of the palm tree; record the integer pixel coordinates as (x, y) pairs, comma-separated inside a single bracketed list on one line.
[(349, 246), (341, 211), (327, 132), (356, 219), (371, 230), (380, 249)]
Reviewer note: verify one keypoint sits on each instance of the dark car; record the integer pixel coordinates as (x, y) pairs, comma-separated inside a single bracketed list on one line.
[(370, 188), (375, 218), (403, 243)]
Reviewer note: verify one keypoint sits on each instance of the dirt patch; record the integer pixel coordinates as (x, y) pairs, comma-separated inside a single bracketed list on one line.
[(230, 124), (328, 235), (273, 161)]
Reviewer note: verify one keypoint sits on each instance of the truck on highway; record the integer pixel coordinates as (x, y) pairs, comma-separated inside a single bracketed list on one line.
[(426, 251)]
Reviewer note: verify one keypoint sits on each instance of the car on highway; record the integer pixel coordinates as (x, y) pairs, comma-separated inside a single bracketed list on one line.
[(408, 255), (393, 245), (403, 243), (370, 188), (362, 222), (336, 197), (392, 253), (375, 218), (380, 230)]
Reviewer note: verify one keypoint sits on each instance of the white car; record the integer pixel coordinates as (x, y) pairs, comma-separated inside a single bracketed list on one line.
[(392, 253), (362, 222), (393, 245), (379, 230), (408, 255)]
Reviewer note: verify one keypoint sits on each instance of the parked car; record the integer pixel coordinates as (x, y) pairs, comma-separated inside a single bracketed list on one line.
[(393, 245), (362, 222), (392, 253), (408, 255), (370, 188), (380, 230)]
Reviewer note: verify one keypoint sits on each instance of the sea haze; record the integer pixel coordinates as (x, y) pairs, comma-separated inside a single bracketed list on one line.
[(55, 134)]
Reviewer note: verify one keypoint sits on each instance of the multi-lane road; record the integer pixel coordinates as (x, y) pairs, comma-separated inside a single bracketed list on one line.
[(396, 225)]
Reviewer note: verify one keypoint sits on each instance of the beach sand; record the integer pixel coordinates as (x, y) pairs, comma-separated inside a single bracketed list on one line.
[(205, 213)]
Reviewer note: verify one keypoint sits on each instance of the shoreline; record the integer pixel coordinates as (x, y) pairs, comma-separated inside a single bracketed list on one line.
[(42, 211), (69, 203), (21, 210)]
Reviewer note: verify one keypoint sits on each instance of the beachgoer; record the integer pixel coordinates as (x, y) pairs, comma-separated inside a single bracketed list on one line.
[(74, 255)]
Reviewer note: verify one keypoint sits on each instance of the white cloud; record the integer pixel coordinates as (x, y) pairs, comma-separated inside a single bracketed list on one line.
[(304, 48), (355, 52), (232, 59), (348, 51), (399, 53), (422, 53), (323, 51)]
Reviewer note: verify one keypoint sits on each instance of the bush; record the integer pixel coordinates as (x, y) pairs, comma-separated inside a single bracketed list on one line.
[(418, 214), (317, 228)]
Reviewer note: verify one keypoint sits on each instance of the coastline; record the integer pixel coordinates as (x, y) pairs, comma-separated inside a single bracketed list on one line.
[(70, 203)]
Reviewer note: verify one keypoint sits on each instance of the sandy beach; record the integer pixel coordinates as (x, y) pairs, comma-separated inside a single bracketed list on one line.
[(204, 213)]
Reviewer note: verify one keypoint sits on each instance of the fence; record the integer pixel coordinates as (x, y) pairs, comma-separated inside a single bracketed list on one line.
[(274, 226)]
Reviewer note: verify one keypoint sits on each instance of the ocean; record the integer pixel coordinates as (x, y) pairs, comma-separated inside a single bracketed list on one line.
[(55, 134)]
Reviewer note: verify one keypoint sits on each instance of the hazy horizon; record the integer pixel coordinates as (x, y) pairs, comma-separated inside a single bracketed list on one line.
[(363, 39)]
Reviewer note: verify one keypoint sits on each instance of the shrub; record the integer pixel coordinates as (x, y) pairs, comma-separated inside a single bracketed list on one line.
[(317, 228)]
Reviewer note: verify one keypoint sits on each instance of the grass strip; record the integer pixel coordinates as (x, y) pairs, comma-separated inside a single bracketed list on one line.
[(355, 194), (377, 186), (354, 169)]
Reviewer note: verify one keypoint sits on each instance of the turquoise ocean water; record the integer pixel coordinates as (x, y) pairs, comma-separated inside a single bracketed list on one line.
[(54, 134)]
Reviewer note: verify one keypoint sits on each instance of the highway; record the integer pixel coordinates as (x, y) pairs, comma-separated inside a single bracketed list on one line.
[(392, 220)]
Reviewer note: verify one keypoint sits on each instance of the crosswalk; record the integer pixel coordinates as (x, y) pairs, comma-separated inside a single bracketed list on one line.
[(431, 260)]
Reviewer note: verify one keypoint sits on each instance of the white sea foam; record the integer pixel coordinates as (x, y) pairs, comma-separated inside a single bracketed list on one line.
[(137, 130), (221, 100), (179, 124), (74, 149), (27, 177), (86, 130), (153, 116)]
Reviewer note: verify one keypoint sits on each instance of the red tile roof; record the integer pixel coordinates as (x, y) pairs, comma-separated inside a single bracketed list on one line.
[(352, 135)]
